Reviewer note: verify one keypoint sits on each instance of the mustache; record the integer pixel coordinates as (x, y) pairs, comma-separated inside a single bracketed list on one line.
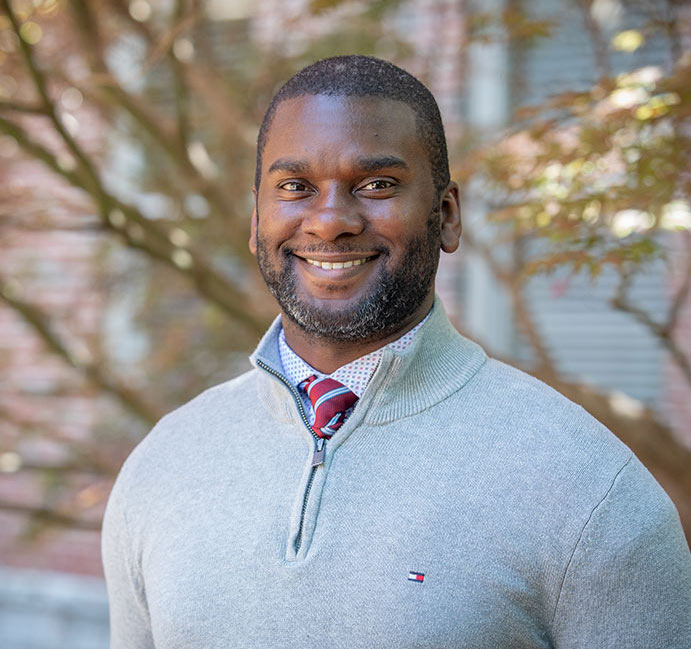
[(332, 248)]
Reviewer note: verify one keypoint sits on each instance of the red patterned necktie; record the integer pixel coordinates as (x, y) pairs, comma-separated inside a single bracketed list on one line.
[(330, 400)]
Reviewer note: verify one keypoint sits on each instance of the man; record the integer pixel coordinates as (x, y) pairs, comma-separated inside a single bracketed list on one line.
[(376, 480)]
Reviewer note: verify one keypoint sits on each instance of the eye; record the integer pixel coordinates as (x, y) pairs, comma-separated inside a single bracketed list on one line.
[(293, 186), (378, 184)]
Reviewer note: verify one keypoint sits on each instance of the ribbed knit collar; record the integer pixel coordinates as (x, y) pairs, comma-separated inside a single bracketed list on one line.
[(438, 363)]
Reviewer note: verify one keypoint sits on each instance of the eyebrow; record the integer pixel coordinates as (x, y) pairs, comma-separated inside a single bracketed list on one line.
[(289, 165), (365, 163), (375, 163)]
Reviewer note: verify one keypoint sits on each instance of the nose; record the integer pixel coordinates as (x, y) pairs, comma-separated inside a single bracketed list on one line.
[(332, 214)]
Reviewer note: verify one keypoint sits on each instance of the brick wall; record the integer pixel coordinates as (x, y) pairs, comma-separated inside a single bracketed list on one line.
[(50, 248)]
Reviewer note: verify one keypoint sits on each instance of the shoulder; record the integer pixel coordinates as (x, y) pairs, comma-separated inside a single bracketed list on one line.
[(198, 427), (214, 404), (629, 572), (571, 473), (522, 393), (533, 412), (213, 401), (528, 435)]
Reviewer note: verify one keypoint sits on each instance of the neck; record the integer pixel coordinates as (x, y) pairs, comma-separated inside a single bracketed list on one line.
[(326, 355)]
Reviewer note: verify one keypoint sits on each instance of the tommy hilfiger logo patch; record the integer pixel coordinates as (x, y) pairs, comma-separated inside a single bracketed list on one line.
[(416, 576)]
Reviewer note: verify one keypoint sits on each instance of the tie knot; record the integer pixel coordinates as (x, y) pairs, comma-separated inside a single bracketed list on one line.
[(330, 400)]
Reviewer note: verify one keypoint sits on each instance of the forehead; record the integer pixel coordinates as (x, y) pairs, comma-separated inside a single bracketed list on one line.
[(320, 128)]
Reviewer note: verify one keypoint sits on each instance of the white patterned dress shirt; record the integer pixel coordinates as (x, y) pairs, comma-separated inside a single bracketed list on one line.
[(354, 375)]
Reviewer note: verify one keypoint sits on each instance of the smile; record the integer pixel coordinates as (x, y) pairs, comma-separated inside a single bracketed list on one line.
[(337, 264)]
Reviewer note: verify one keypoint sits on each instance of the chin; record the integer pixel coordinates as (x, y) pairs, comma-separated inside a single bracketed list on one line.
[(371, 317)]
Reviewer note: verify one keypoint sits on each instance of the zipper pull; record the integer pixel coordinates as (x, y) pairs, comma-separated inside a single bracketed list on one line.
[(318, 457)]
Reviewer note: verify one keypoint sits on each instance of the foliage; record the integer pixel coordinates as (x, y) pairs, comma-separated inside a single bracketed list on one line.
[(604, 179), (133, 125)]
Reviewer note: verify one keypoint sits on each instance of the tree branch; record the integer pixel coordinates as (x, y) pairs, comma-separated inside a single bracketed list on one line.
[(93, 228), (31, 314), (662, 332), (18, 107), (682, 293), (39, 152), (84, 457), (174, 146), (180, 21), (664, 13), (599, 45), (149, 236), (512, 281), (42, 89), (46, 515), (66, 469)]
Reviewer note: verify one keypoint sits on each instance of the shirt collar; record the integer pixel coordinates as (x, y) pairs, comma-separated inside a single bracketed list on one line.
[(354, 375)]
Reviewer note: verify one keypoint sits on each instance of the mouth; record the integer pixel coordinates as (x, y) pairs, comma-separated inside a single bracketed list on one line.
[(336, 275), (338, 262), (329, 265)]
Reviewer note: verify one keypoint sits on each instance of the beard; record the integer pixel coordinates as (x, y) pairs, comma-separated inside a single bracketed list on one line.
[(394, 294)]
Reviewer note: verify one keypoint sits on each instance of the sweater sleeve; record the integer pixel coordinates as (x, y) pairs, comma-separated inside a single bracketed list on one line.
[(628, 581), (130, 625)]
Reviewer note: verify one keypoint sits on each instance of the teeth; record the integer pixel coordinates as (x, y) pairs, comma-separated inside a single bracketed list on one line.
[(336, 264)]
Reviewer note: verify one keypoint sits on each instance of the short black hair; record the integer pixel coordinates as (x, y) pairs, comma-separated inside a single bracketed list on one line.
[(367, 76)]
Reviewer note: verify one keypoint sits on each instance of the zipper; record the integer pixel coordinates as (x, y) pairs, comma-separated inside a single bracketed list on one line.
[(319, 447)]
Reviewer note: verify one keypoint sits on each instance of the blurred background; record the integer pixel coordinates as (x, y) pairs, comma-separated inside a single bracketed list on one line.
[(127, 143)]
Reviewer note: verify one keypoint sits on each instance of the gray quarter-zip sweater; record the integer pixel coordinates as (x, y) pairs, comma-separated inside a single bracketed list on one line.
[(463, 504)]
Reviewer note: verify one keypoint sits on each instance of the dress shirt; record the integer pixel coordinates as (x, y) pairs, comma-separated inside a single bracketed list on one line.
[(354, 375)]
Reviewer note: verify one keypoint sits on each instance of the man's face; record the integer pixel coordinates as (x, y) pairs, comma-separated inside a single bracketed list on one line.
[(347, 228)]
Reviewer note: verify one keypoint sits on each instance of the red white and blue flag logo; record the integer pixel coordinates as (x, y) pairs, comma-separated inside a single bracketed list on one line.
[(416, 576)]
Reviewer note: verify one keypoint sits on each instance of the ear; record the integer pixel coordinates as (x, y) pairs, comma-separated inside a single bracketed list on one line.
[(253, 225), (450, 218)]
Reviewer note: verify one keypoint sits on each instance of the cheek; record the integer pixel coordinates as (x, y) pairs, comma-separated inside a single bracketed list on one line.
[(401, 225), (272, 229), (277, 221)]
